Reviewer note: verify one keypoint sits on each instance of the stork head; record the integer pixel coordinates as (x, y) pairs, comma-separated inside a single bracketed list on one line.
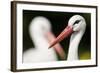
[(76, 24), (39, 26)]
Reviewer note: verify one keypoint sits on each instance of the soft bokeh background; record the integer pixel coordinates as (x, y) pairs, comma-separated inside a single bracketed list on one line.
[(58, 21)]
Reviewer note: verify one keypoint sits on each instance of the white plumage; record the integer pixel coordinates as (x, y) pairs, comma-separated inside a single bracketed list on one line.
[(78, 31), (37, 29)]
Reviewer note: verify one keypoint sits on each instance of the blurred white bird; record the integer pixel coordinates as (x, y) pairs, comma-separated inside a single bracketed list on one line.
[(76, 27), (41, 35)]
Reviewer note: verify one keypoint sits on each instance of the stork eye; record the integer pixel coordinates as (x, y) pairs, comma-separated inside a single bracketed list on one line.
[(76, 22)]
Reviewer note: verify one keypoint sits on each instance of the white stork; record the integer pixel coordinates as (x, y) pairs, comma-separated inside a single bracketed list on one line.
[(76, 28)]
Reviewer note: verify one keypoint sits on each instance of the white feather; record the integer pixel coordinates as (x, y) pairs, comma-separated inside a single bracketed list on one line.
[(38, 27)]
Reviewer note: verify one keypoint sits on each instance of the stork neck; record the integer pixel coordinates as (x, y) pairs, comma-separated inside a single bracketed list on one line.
[(73, 47), (40, 42)]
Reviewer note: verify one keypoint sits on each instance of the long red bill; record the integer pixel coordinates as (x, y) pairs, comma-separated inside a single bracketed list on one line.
[(65, 33), (57, 47)]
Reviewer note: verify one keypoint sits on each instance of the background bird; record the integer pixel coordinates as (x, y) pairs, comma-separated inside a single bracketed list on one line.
[(41, 35)]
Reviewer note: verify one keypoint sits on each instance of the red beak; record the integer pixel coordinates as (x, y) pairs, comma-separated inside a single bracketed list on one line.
[(65, 33), (57, 47)]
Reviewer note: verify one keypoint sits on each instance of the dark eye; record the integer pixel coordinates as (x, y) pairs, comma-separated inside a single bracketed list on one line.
[(76, 22)]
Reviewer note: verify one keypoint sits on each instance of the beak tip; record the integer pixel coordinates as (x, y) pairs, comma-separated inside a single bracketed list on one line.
[(49, 47)]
